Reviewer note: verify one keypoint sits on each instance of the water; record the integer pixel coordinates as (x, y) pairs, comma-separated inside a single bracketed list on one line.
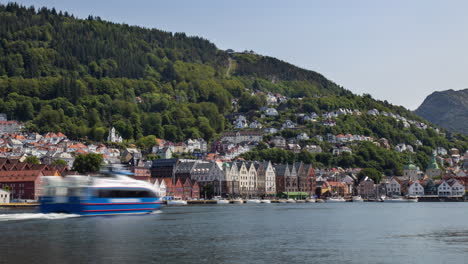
[(254, 233)]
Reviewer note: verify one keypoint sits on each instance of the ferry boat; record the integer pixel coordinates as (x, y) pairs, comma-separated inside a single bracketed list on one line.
[(101, 195)]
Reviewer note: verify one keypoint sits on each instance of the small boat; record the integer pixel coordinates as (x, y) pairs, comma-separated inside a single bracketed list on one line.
[(253, 201), (311, 200), (282, 201), (290, 200), (265, 201), (400, 200), (220, 200), (319, 201), (238, 201), (335, 200), (176, 201), (100, 195), (357, 199)]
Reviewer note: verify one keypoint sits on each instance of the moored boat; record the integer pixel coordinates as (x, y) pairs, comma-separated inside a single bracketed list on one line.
[(335, 200), (400, 200), (290, 200), (357, 199), (220, 200), (238, 201), (311, 200), (266, 201), (103, 195), (253, 201)]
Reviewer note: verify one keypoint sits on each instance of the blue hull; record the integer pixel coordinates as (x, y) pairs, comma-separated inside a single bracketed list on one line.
[(98, 206)]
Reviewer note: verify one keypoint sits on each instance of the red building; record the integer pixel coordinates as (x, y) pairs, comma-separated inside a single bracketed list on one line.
[(169, 186), (179, 189), (23, 179), (187, 194), (195, 191)]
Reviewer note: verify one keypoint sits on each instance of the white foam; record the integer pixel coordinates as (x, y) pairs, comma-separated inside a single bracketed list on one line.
[(25, 216)]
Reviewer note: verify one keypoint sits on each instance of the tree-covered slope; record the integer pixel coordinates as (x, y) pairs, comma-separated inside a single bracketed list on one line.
[(81, 76), (448, 109)]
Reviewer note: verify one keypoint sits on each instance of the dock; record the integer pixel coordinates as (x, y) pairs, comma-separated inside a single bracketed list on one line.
[(18, 205)]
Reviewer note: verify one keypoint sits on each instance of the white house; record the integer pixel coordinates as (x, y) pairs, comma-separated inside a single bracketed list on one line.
[(241, 122), (393, 188), (288, 124), (302, 136), (162, 188), (156, 187), (457, 188), (373, 112), (444, 189), (415, 189), (4, 196), (255, 124), (271, 112)]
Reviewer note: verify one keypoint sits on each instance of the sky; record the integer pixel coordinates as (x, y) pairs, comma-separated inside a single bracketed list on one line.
[(399, 50)]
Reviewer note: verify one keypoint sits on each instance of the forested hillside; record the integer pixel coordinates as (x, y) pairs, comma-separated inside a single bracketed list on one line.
[(81, 76)]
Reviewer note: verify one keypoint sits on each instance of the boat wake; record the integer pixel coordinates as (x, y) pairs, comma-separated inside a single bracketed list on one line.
[(30, 216)]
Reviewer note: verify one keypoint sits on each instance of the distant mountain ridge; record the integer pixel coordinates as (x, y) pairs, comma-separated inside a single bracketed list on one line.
[(448, 109)]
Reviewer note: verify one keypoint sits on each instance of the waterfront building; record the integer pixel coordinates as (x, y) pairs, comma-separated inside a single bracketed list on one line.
[(195, 191), (162, 188), (366, 188), (393, 187), (164, 168), (444, 189), (415, 189), (291, 180), (178, 189), (156, 188), (281, 171), (243, 178), (184, 169), (4, 196), (231, 176), (261, 177), (187, 189), (252, 180)]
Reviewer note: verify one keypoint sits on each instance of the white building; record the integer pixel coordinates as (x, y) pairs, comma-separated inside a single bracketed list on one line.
[(237, 137), (4, 196), (271, 112), (393, 188), (113, 136), (444, 189), (415, 189)]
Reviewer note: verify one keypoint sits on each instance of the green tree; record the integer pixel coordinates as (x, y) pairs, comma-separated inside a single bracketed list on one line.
[(372, 173), (59, 162), (32, 160), (87, 163)]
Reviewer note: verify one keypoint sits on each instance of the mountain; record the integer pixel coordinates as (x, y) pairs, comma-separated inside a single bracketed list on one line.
[(448, 109), (83, 76)]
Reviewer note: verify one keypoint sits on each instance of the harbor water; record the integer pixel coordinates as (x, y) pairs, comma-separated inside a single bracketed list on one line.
[(249, 233)]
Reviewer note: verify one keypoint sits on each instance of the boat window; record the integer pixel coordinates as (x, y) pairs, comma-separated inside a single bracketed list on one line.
[(113, 193)]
